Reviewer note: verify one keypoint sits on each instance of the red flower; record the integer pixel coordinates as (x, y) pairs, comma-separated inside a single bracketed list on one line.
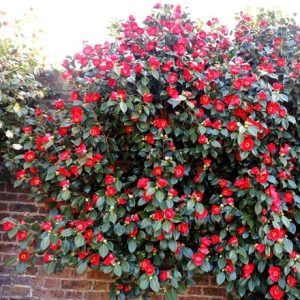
[(274, 273), (276, 293), (95, 131), (164, 275), (7, 226), (76, 114), (215, 209), (154, 63), (157, 171), (291, 281), (247, 144), (149, 139), (65, 155), (248, 270), (47, 225), (179, 171), (169, 213), (22, 235), (198, 259), (47, 257), (160, 123), (143, 183), (29, 156), (232, 126), (172, 78), (110, 191), (35, 181), (109, 260), (275, 234), (144, 264), (74, 96), (109, 179), (202, 139), (24, 256), (148, 97), (59, 104), (260, 248), (183, 228), (95, 259), (162, 182), (150, 270)]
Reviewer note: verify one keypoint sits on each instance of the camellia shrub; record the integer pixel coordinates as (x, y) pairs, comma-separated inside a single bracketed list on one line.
[(20, 89), (177, 154)]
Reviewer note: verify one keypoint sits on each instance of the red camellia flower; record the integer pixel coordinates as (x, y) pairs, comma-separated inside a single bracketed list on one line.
[(24, 256), (95, 131), (169, 213), (198, 259), (95, 259), (59, 104), (232, 126), (147, 97), (274, 273), (157, 171), (29, 156), (248, 269), (7, 226), (22, 235), (183, 228), (47, 257), (110, 191), (179, 171), (276, 293), (35, 181), (109, 260), (275, 234), (143, 183), (164, 275), (291, 281), (260, 248), (247, 144), (160, 123), (202, 139)]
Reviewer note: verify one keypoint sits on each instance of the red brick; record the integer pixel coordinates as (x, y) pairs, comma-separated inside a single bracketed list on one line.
[(48, 294), (214, 291), (73, 295), (76, 284), (98, 275), (96, 296), (5, 280), (9, 248), (20, 291), (8, 197), (22, 207), (52, 283), (101, 286), (63, 274), (195, 290)]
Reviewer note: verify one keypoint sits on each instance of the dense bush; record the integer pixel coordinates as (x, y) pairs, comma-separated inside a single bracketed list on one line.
[(20, 64), (177, 154)]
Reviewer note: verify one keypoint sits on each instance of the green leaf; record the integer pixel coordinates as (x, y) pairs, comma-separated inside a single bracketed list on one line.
[(171, 294), (285, 221), (154, 284), (288, 245), (159, 195), (82, 268), (132, 245), (118, 270), (13, 232), (67, 232), (79, 240), (155, 74), (172, 245), (10, 261), (166, 226), (103, 250), (144, 282), (220, 278), (45, 243), (123, 107), (65, 194)]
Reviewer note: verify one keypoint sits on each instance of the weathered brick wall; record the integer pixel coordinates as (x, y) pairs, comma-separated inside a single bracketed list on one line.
[(65, 285)]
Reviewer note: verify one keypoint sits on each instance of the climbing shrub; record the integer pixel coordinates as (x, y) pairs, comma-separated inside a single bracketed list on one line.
[(176, 154)]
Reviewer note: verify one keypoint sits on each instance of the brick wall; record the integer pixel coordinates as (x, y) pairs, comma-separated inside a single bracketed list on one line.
[(65, 285)]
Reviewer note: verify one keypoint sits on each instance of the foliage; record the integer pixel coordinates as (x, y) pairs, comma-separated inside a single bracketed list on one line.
[(178, 154), (19, 86)]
